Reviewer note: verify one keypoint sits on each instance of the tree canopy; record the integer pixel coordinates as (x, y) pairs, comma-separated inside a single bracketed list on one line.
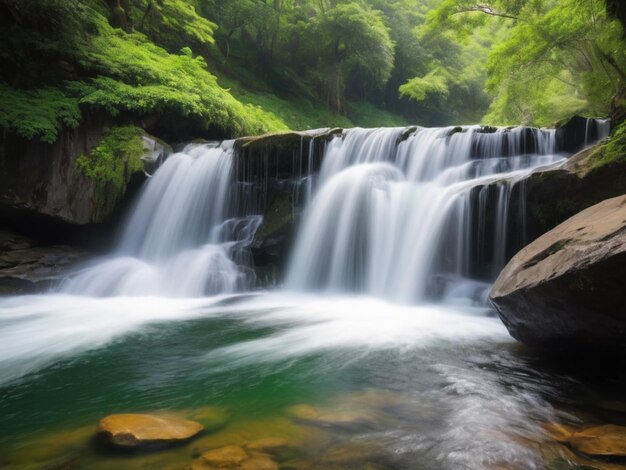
[(248, 66)]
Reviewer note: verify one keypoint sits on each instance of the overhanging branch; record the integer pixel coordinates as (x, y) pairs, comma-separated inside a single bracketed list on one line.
[(487, 11)]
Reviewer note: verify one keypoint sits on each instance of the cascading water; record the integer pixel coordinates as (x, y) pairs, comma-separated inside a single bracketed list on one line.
[(602, 128), (393, 210), (182, 238)]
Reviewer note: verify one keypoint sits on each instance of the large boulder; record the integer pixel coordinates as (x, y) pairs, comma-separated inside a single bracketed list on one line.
[(566, 289)]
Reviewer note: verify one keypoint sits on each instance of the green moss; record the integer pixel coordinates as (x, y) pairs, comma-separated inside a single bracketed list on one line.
[(117, 156), (37, 113), (611, 152)]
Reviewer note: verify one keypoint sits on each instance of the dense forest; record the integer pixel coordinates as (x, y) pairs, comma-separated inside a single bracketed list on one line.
[(236, 67)]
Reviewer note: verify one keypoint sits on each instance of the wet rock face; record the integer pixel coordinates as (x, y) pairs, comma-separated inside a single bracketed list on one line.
[(273, 173), (45, 179), (566, 289), (135, 430), (26, 267), (574, 134), (538, 203)]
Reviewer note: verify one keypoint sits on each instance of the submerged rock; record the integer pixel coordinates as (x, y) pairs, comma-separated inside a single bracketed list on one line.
[(134, 430), (331, 417), (233, 457), (559, 432), (268, 445), (223, 457), (259, 463), (566, 289), (606, 441)]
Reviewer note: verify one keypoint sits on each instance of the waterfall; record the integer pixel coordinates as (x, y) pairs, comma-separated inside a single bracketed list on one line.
[(407, 214), (183, 237), (391, 215), (595, 130)]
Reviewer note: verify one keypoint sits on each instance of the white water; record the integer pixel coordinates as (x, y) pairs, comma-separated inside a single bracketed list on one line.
[(388, 216), (383, 220), (182, 239), (602, 127)]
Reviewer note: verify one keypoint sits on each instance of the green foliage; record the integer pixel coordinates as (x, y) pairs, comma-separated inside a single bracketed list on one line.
[(350, 39), (434, 82), (171, 23), (613, 150), (38, 113), (307, 63), (365, 114), (548, 60), (296, 113), (143, 78), (126, 72), (117, 156)]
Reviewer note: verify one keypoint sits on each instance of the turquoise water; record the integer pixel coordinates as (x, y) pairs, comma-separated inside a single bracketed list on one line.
[(405, 387)]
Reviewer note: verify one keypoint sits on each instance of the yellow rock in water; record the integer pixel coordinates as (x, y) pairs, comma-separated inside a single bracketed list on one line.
[(224, 457), (559, 432), (608, 440), (233, 458), (131, 430)]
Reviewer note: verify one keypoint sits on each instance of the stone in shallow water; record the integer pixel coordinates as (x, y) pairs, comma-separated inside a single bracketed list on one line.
[(559, 432), (233, 458), (224, 457), (558, 456), (269, 444), (259, 463), (331, 417), (133, 430), (607, 441)]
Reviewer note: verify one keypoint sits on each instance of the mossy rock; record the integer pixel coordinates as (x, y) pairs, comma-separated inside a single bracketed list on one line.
[(455, 130), (283, 139), (111, 165), (408, 132)]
